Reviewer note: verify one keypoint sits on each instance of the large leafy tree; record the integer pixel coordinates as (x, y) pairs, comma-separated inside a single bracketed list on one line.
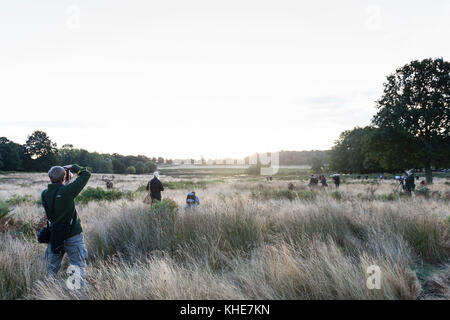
[(42, 150), (10, 159), (348, 155), (415, 105)]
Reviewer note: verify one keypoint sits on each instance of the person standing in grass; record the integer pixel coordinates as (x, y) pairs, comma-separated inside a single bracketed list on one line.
[(323, 181), (155, 187), (313, 181), (65, 226), (409, 181), (337, 180)]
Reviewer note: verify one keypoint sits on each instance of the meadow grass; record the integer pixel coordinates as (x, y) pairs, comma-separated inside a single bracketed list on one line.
[(247, 240)]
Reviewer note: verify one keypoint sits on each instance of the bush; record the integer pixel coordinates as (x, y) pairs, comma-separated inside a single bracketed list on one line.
[(306, 195), (4, 210), (99, 194), (387, 197), (188, 184), (267, 194), (254, 169), (16, 200), (131, 170), (423, 191), (166, 205), (336, 195)]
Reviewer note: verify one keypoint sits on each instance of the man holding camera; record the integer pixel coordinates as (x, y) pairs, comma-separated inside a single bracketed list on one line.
[(63, 222)]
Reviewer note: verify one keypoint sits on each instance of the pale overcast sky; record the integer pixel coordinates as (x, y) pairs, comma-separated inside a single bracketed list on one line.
[(181, 78)]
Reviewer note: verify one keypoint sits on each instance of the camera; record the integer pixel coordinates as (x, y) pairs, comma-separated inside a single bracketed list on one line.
[(67, 175)]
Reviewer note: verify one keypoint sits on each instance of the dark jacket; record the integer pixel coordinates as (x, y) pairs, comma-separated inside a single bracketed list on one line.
[(409, 182), (155, 186), (64, 202), (337, 180)]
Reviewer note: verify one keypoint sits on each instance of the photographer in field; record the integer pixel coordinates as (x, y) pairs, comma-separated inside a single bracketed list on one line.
[(63, 232)]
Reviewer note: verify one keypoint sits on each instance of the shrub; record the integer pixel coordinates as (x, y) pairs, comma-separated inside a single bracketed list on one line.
[(423, 191), (387, 197), (142, 188), (16, 200), (254, 169), (186, 184), (4, 210), (306, 195), (166, 205), (181, 184), (446, 195), (99, 194), (336, 195), (266, 194)]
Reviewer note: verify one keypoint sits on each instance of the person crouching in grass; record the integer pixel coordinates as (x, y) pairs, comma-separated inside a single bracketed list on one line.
[(65, 226)]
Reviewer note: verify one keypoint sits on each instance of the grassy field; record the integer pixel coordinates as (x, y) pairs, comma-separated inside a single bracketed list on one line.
[(249, 239)]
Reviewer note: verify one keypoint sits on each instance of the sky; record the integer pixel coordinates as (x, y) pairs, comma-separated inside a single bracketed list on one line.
[(205, 78)]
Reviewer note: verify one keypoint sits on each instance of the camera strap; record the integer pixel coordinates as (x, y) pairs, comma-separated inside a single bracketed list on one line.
[(53, 204)]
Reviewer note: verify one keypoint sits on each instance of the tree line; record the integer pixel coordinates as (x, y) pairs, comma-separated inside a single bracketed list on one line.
[(39, 153), (411, 128)]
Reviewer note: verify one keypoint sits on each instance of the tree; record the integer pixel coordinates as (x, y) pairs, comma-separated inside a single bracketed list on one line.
[(386, 148), (140, 167), (118, 166), (106, 166), (416, 104), (150, 167), (348, 155), (11, 155), (317, 164), (131, 170), (42, 150)]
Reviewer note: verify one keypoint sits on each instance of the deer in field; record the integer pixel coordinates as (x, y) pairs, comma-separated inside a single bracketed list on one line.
[(109, 181)]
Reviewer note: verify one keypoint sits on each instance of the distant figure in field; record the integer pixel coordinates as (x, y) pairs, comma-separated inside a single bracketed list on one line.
[(155, 187), (313, 181), (381, 177), (323, 181), (337, 180), (409, 181), (192, 201), (358, 177), (291, 186)]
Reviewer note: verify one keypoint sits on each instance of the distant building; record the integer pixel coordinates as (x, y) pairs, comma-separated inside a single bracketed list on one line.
[(229, 161)]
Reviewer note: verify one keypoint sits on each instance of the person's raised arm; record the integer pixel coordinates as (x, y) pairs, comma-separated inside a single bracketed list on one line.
[(74, 188)]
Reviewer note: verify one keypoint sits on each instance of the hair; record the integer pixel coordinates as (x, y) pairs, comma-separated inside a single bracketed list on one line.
[(156, 174), (56, 174)]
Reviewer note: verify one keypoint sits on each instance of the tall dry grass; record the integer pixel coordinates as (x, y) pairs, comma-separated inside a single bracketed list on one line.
[(237, 247)]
